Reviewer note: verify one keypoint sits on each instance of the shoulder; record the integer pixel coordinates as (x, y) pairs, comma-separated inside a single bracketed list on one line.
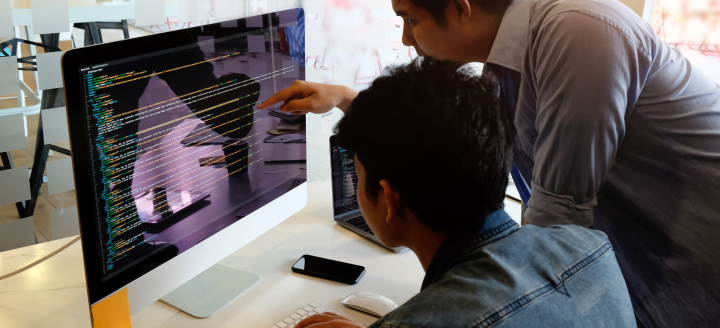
[(490, 283), (584, 18)]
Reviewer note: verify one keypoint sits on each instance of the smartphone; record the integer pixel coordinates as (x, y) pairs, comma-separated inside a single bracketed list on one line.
[(319, 267)]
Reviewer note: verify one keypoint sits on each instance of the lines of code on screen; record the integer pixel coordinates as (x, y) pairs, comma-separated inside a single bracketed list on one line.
[(177, 146)]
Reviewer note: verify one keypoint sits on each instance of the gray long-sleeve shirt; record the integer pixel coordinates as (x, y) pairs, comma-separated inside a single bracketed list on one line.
[(618, 131)]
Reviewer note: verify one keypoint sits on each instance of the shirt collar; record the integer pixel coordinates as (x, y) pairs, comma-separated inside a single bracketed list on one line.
[(511, 40), (497, 225)]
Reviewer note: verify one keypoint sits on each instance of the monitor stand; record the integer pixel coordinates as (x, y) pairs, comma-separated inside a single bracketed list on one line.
[(211, 291)]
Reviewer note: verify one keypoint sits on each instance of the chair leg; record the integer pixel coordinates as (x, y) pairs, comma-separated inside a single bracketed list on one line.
[(88, 34), (126, 31), (95, 33)]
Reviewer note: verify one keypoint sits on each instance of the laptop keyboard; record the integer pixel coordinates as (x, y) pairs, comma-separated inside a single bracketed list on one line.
[(359, 222)]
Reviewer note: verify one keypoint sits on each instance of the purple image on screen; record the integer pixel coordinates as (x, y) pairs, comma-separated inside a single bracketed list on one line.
[(207, 44), (256, 43), (229, 24), (295, 72), (288, 18), (255, 21), (257, 69)]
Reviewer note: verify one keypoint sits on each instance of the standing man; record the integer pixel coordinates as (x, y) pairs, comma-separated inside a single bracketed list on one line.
[(614, 129)]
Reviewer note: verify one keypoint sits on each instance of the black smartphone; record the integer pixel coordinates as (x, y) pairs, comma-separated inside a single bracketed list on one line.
[(319, 267)]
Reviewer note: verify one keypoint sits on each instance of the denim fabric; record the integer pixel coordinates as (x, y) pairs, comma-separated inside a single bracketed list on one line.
[(295, 36), (500, 275)]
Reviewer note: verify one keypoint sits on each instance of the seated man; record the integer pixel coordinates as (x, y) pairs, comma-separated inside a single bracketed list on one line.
[(433, 155)]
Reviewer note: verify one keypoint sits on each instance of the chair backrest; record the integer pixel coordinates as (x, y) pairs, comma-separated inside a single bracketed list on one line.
[(16, 234)]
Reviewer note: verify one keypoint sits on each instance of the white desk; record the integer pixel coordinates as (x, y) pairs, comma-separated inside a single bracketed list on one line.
[(53, 293)]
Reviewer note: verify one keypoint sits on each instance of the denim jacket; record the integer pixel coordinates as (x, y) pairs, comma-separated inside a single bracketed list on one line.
[(500, 275)]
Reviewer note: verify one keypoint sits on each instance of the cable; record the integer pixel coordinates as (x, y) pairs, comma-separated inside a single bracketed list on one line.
[(40, 260)]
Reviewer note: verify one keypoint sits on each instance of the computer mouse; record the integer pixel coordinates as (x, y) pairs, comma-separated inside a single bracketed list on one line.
[(370, 303)]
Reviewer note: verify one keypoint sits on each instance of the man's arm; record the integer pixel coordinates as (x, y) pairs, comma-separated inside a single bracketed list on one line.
[(583, 77), (308, 97)]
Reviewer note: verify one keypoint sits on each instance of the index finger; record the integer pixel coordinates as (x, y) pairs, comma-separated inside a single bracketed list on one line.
[(282, 95)]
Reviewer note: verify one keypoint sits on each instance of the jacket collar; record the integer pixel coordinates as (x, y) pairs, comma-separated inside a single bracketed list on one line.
[(496, 226), (511, 40)]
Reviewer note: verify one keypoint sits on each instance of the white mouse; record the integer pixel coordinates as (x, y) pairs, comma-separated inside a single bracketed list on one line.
[(372, 304)]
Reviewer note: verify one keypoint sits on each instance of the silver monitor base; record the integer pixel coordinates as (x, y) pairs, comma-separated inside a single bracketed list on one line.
[(211, 291)]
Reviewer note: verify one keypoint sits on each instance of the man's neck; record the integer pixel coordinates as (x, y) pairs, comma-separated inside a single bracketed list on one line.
[(425, 244)]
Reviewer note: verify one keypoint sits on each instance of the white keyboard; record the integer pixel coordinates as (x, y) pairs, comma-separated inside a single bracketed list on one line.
[(300, 315)]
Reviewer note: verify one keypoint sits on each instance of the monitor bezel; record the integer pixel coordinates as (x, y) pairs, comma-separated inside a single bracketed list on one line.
[(72, 61)]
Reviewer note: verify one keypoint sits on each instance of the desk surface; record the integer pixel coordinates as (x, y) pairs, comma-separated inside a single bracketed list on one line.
[(53, 293)]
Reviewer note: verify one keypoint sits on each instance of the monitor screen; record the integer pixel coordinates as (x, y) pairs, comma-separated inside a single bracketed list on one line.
[(345, 181), (175, 144)]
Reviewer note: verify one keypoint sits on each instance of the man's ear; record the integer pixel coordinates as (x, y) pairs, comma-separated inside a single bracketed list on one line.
[(462, 9), (392, 200)]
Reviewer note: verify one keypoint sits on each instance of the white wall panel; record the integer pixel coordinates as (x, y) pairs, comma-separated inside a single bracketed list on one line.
[(9, 78), (229, 10), (12, 133), (194, 10), (314, 74), (64, 223), (6, 22), (60, 176), (149, 12), (313, 7), (286, 4), (14, 185), (50, 16), (313, 124), (17, 233), (337, 115), (271, 6), (55, 126), (344, 75), (49, 71)]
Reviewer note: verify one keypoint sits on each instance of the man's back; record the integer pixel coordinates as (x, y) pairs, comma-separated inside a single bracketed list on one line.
[(503, 276), (624, 134)]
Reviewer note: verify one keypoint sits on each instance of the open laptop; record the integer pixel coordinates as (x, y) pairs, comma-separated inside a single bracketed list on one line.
[(344, 187)]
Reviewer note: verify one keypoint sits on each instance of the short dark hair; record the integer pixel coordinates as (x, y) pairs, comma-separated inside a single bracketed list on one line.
[(437, 7), (434, 130)]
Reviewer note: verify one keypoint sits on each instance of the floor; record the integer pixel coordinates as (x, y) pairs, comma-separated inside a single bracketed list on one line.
[(24, 157)]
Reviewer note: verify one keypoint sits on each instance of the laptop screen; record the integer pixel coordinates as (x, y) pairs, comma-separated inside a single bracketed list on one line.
[(344, 181)]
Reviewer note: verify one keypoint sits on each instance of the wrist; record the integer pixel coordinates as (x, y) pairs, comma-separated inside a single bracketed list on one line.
[(348, 95)]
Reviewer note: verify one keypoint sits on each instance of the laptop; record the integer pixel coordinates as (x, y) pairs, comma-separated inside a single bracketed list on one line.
[(346, 209)]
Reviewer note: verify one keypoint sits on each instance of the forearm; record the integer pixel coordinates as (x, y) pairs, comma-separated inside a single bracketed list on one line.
[(347, 96)]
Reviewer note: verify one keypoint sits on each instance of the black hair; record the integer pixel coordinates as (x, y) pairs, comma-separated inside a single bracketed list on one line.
[(434, 130), (437, 7)]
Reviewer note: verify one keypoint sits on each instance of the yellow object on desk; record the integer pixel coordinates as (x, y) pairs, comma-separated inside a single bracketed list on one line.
[(112, 312)]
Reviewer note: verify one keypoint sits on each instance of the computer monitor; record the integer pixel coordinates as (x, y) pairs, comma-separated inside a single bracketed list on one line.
[(155, 209)]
